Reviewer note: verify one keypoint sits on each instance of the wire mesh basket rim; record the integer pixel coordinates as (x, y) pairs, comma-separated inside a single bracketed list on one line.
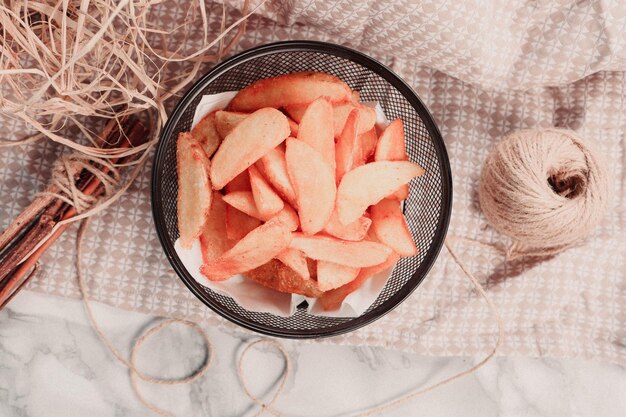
[(381, 70)]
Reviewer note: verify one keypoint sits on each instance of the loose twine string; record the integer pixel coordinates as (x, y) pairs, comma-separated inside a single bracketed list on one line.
[(264, 407), (590, 191), (135, 373)]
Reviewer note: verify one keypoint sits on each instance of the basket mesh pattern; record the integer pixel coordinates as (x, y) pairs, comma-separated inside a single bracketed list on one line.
[(426, 209)]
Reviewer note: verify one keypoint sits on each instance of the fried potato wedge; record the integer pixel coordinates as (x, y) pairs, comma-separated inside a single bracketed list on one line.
[(366, 147), (247, 143), (244, 202), (194, 188), (206, 134), (258, 247), (240, 183), (314, 183), (267, 201), (273, 166), (391, 147), (296, 111), (288, 89), (293, 126), (289, 216), (367, 117), (214, 239), (402, 193), (279, 277), (355, 231), (354, 254), (389, 225), (332, 300), (368, 184), (331, 275), (239, 224), (316, 129), (295, 260), (225, 121), (347, 146)]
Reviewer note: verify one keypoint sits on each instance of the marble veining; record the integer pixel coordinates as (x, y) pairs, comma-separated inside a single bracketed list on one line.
[(52, 364)]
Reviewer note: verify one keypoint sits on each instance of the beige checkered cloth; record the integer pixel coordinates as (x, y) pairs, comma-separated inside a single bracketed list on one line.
[(483, 68)]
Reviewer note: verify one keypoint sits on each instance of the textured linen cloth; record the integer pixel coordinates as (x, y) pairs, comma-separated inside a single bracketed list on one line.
[(483, 68)]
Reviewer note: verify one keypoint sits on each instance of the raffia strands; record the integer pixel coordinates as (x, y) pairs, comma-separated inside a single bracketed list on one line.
[(546, 189), (67, 63), (63, 61)]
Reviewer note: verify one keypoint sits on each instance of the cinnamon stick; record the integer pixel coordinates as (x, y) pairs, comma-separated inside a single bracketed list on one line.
[(23, 220), (111, 136), (13, 275), (17, 280), (42, 228)]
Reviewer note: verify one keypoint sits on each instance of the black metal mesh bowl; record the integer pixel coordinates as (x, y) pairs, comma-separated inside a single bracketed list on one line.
[(427, 209)]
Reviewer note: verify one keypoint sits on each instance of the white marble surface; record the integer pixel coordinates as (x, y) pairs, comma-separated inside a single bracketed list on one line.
[(52, 364)]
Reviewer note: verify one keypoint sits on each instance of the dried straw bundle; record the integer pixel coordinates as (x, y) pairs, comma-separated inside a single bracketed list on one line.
[(85, 67), (63, 62)]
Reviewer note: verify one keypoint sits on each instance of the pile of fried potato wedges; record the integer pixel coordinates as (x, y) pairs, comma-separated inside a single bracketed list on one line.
[(295, 186)]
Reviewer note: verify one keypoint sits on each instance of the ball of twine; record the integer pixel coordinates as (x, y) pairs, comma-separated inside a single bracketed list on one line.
[(546, 189)]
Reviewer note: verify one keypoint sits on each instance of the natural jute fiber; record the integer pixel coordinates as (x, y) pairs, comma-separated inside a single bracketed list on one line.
[(546, 189), (69, 63)]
